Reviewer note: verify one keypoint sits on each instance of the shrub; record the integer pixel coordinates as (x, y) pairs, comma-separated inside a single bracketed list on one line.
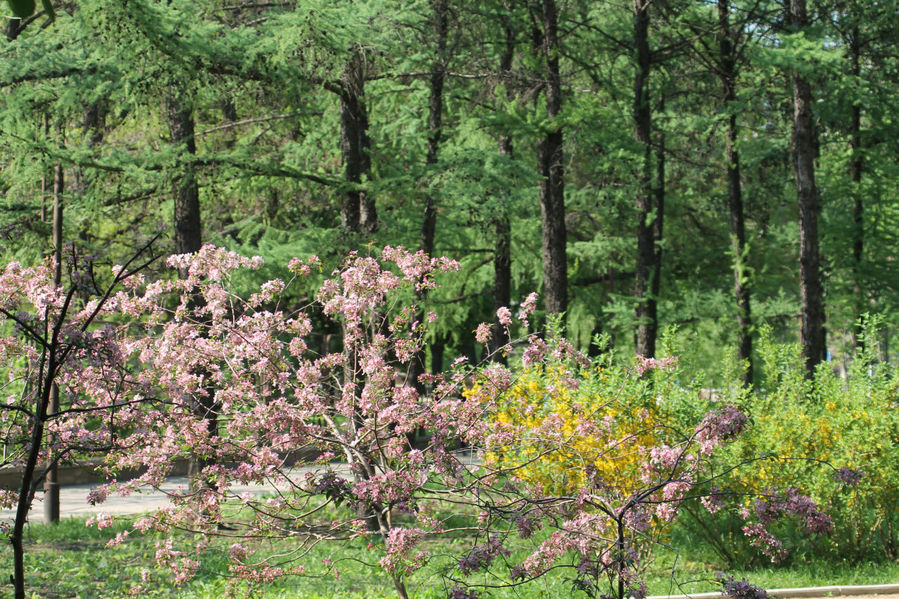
[(833, 438), (607, 416)]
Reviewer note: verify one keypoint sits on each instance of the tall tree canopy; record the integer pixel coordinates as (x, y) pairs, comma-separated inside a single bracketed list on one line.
[(542, 143)]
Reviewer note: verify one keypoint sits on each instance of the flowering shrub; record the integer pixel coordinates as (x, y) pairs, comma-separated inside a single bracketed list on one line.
[(267, 396), (582, 464), (579, 452), (830, 438), (581, 423), (65, 378)]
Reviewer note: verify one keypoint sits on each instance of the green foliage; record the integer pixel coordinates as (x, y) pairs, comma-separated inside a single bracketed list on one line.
[(809, 434), (263, 83)]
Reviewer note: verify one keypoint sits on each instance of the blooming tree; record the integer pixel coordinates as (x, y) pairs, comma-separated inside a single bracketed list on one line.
[(278, 401), (335, 429), (51, 338)]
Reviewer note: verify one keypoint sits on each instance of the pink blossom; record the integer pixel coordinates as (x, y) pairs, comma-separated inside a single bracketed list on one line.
[(527, 307), (719, 426), (646, 364), (483, 333), (400, 559)]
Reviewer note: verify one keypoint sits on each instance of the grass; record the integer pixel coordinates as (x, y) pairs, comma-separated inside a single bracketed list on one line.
[(70, 560)]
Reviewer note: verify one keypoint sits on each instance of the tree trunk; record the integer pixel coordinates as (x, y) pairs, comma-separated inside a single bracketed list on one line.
[(435, 132), (812, 336), (856, 167), (728, 77), (502, 227), (645, 311), (502, 283), (358, 211), (657, 230), (188, 240), (29, 479), (185, 190), (435, 117), (13, 27), (551, 169), (51, 480)]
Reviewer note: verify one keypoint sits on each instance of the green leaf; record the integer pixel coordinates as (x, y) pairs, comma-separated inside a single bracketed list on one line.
[(21, 8)]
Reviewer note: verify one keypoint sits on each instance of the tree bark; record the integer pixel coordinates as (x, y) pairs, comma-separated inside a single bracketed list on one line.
[(185, 190), (435, 132), (742, 292), (856, 167), (13, 27), (358, 211), (812, 335), (551, 169), (502, 269), (657, 225), (645, 311), (51, 480), (30, 478), (188, 240), (435, 116), (502, 227)]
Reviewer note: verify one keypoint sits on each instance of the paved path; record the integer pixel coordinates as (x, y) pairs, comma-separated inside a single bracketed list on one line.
[(875, 591), (73, 498), (73, 502)]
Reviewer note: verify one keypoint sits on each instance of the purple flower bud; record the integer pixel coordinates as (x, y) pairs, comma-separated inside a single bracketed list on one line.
[(740, 589), (848, 476)]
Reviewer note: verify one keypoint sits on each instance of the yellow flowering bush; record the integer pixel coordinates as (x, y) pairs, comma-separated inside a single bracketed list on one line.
[(577, 421)]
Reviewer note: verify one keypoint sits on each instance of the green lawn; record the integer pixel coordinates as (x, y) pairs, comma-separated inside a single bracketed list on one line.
[(71, 560)]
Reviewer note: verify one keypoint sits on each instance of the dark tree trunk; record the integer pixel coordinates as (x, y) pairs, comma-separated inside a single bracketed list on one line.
[(357, 211), (812, 334), (229, 113), (438, 349), (188, 231), (502, 283), (551, 169), (502, 267), (51, 480), (435, 132), (435, 116), (13, 27), (856, 167), (502, 227), (657, 230), (31, 478), (645, 311), (728, 77), (188, 240)]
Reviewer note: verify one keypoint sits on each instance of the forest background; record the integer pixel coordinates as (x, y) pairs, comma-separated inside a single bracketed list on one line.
[(710, 165), (724, 167)]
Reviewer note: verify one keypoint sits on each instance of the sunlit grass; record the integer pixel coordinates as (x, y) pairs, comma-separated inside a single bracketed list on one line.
[(71, 560)]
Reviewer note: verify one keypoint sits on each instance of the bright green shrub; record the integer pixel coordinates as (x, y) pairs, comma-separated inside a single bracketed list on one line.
[(817, 436)]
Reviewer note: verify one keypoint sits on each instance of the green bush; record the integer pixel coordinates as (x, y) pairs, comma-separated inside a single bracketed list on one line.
[(834, 438)]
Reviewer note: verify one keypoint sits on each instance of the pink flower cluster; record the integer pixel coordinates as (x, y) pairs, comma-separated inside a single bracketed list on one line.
[(401, 556), (775, 505), (719, 426), (645, 364)]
